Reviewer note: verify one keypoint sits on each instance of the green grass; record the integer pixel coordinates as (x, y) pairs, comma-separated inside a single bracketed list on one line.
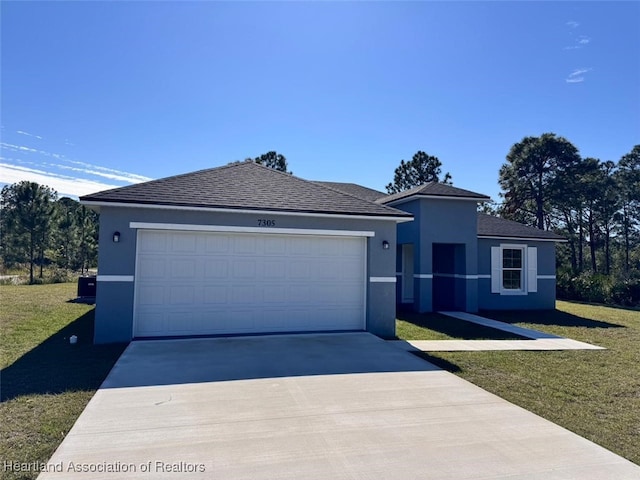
[(45, 382), (434, 326), (594, 393)]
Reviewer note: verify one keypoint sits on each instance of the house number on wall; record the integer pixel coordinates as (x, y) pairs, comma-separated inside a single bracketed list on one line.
[(266, 223)]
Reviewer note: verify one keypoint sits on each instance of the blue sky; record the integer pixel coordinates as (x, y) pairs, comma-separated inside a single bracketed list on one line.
[(96, 94)]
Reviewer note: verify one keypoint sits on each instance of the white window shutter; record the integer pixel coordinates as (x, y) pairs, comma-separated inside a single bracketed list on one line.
[(532, 269), (496, 267)]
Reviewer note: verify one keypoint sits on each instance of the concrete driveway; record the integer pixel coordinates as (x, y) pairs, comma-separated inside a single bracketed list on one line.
[(338, 406)]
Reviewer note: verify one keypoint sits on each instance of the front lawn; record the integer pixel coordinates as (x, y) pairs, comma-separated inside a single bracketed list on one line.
[(45, 382), (594, 393)]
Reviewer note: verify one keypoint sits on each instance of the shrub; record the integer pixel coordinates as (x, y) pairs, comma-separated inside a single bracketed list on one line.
[(597, 288)]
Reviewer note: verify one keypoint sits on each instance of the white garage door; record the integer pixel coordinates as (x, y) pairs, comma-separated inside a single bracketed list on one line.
[(199, 283)]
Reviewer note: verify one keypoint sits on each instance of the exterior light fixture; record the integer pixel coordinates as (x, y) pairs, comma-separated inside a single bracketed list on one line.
[(116, 237), (385, 245)]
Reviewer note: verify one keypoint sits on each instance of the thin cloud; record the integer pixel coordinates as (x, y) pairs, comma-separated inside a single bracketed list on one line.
[(88, 168), (584, 40), (572, 24), (21, 132), (122, 176), (110, 172), (577, 76), (64, 185), (22, 148)]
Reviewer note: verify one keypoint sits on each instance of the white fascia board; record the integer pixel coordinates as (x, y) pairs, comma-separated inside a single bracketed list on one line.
[(238, 229), (90, 203), (524, 239)]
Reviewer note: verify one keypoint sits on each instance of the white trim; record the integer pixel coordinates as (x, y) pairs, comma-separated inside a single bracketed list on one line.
[(484, 276), (91, 203), (496, 269), (546, 277), (237, 229), (383, 279), (422, 275), (532, 269), (524, 260), (115, 278), (524, 239)]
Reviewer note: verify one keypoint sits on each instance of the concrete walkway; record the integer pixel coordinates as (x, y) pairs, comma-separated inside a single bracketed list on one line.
[(505, 327), (539, 340), (316, 406)]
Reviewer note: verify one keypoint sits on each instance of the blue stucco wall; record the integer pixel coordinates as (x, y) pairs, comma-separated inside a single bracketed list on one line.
[(543, 299), (114, 301), (442, 221)]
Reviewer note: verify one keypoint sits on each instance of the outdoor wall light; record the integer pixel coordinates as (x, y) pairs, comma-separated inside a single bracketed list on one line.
[(116, 237), (385, 245)]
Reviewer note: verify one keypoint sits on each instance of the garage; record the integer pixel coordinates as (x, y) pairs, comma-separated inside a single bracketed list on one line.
[(243, 249), (204, 283)]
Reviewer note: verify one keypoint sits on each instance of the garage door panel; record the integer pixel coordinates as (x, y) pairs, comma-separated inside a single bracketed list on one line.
[(195, 283), (274, 245), (244, 268), (183, 267), (215, 295), (152, 323), (151, 268), (299, 270), (216, 268), (275, 293), (151, 295), (242, 294), (300, 246), (274, 269), (180, 322), (244, 244), (181, 294), (216, 244), (156, 242), (184, 243)]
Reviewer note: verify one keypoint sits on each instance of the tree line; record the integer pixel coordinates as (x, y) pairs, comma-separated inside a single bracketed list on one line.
[(593, 203), (39, 229)]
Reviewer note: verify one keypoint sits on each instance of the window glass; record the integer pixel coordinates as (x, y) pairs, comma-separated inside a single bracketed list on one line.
[(512, 269)]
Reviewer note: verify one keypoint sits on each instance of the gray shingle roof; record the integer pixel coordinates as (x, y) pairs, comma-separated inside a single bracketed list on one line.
[(490, 226), (355, 190), (244, 185), (433, 189)]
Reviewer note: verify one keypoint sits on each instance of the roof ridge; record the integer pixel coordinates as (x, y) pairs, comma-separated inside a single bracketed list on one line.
[(314, 182)]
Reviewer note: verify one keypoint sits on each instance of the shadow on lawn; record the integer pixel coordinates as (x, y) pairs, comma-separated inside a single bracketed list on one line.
[(55, 366), (438, 362), (546, 317), (455, 328)]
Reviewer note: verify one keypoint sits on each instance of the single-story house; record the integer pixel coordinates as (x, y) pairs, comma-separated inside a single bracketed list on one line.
[(244, 249)]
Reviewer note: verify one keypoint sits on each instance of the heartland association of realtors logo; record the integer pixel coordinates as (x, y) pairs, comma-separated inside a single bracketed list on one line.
[(152, 466)]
